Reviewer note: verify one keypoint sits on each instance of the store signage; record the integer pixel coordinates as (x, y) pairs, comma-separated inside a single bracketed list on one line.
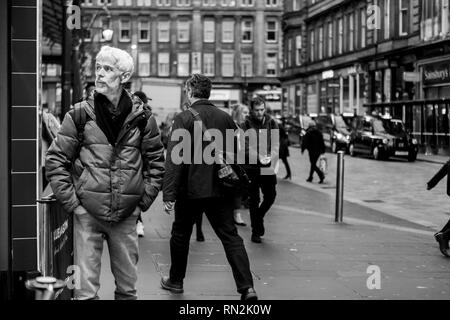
[(328, 74), (436, 73), (411, 76)]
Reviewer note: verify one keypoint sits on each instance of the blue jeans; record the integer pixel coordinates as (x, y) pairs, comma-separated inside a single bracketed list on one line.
[(122, 240)]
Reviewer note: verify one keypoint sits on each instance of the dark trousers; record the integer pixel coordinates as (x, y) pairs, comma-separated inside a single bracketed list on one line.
[(313, 158), (258, 209), (219, 212), (446, 230), (288, 168)]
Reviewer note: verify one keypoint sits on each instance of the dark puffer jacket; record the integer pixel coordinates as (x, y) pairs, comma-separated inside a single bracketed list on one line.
[(108, 181)]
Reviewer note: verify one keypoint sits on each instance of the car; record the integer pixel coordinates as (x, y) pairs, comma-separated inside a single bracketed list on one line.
[(382, 139), (335, 131), (296, 127)]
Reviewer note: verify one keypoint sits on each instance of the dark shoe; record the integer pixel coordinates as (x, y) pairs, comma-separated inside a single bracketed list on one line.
[(249, 295), (443, 244), (321, 180), (173, 287), (256, 238), (288, 177), (200, 237), (309, 180)]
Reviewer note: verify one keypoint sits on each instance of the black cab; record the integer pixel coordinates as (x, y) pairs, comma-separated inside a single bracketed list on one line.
[(296, 127), (382, 139), (335, 131)]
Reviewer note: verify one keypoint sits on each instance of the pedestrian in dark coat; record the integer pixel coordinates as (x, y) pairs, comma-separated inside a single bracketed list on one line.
[(262, 178), (313, 142), (284, 151), (443, 236), (192, 186)]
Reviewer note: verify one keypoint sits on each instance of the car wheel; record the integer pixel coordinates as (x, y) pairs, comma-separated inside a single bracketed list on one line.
[(376, 153), (351, 150), (334, 148)]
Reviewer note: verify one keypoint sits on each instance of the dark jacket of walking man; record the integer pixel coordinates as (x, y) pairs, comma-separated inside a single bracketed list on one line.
[(191, 186), (261, 174), (114, 173), (313, 142)]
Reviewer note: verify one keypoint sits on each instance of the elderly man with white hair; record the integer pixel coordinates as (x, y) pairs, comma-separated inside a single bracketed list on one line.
[(106, 166)]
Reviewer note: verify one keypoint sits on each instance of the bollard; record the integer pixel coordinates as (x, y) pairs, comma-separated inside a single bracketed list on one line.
[(340, 188), (45, 288)]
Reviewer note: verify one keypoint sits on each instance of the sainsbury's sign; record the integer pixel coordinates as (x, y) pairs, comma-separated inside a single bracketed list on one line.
[(436, 73)]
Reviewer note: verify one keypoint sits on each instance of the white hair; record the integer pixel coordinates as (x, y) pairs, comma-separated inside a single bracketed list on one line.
[(122, 59)]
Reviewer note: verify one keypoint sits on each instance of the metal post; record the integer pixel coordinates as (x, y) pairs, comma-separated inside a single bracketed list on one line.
[(46, 241), (340, 188)]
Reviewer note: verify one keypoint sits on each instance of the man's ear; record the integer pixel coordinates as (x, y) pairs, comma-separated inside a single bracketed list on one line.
[(125, 77)]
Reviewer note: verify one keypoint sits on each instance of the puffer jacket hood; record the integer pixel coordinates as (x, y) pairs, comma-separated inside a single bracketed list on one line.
[(108, 181)]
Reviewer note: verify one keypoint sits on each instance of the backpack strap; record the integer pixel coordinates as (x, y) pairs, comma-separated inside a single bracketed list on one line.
[(79, 117)]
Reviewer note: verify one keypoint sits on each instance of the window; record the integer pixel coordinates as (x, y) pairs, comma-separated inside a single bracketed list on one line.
[(144, 31), (271, 31), (125, 2), (228, 30), (296, 5), (403, 17), (163, 64), (340, 36), (144, 64), (125, 30), (208, 30), (247, 3), (196, 62), (163, 31), (330, 39), (209, 3), (312, 45), (208, 64), (146, 3), (387, 17), (247, 65), (298, 50), (87, 2), (271, 64), (351, 27), (183, 3), (227, 64), (320, 43), (271, 3), (163, 3), (247, 30), (183, 64), (228, 3), (183, 31), (363, 27), (289, 53)]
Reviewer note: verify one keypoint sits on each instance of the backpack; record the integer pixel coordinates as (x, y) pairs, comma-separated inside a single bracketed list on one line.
[(80, 117)]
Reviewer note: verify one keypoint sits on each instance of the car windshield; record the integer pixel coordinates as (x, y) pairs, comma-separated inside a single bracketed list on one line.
[(378, 126), (395, 127), (340, 123)]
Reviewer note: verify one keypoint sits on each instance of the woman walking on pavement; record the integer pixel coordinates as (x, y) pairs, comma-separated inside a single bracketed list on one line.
[(284, 149), (443, 236), (240, 114)]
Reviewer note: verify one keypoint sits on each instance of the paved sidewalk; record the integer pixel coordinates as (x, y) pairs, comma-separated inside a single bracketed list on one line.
[(432, 158), (305, 255)]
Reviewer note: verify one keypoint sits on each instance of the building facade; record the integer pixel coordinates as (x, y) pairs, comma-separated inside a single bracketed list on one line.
[(237, 43), (370, 55)]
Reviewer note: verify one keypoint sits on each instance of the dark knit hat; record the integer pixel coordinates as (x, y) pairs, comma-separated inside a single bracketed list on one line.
[(141, 95)]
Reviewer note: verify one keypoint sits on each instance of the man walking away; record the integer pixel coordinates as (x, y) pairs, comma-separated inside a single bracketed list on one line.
[(313, 142), (443, 236), (266, 181), (106, 166), (193, 187)]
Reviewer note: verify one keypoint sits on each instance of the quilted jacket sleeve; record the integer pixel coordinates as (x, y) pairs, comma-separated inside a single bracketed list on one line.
[(59, 157), (153, 156)]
